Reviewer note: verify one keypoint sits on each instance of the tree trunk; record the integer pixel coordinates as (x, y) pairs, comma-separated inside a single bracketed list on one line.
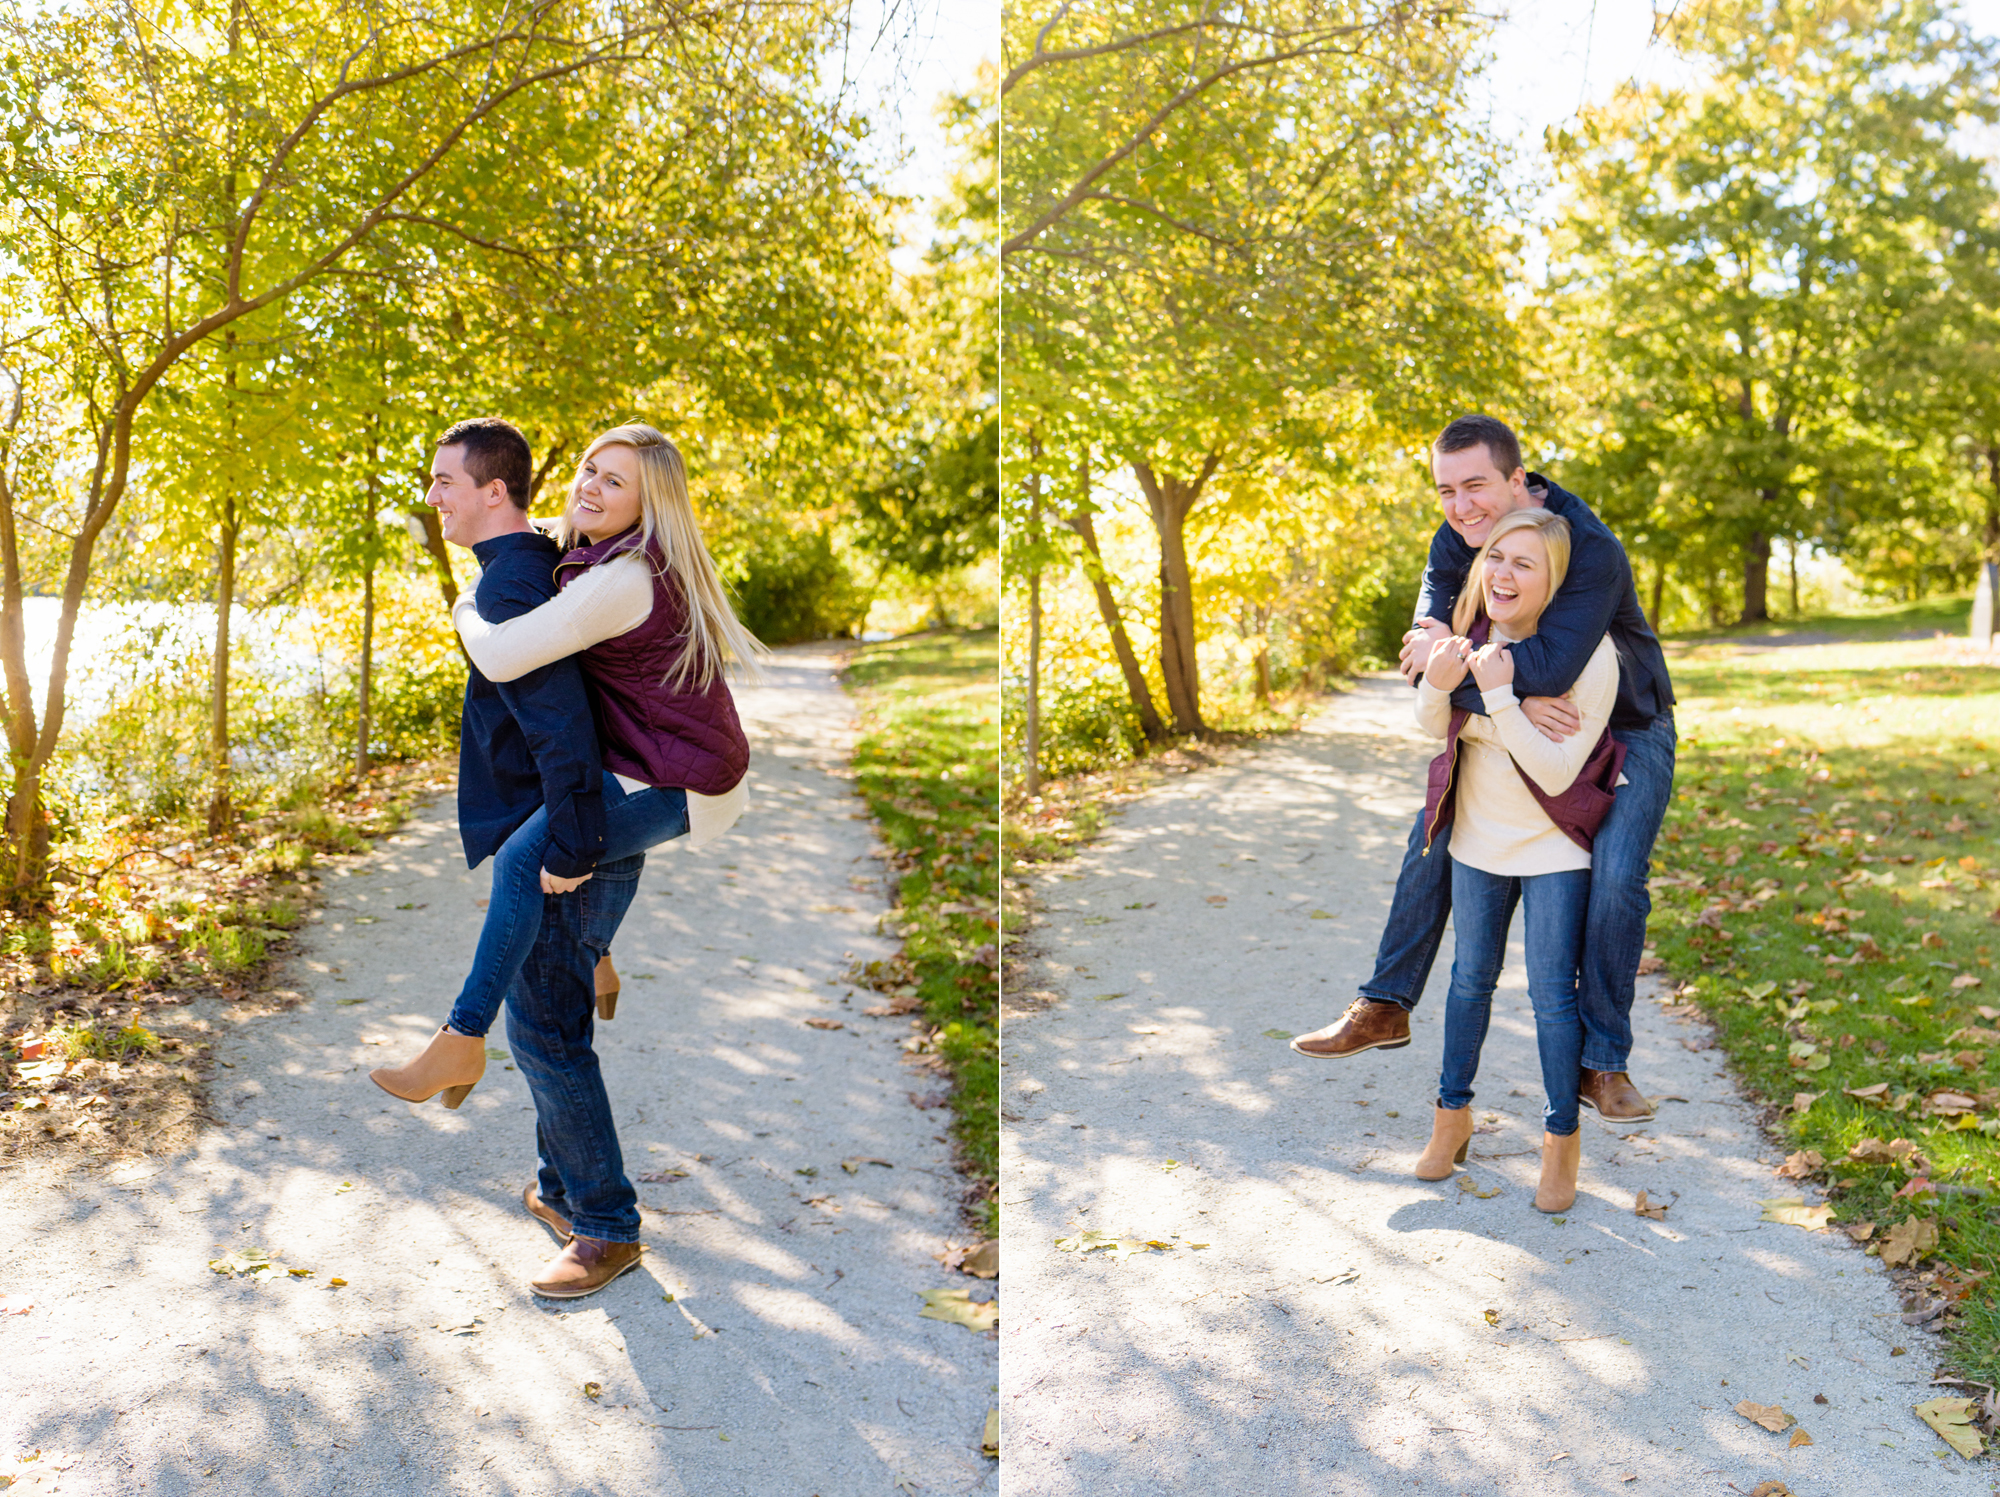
[(1793, 551), (220, 812), (1032, 767), (1659, 589), (366, 713), (1171, 500), (1150, 722), (1261, 617), (1756, 577)]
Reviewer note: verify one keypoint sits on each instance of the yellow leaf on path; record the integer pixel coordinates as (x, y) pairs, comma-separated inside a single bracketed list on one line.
[(989, 1443), (343, 1187), (1643, 1207), (336, 1283), (825, 1024), (957, 1307), (1952, 1419), (1799, 1437), (1471, 1187), (853, 1166), (1790, 1211), (1770, 1415), (1493, 1318), (1321, 915), (299, 1273), (593, 1390)]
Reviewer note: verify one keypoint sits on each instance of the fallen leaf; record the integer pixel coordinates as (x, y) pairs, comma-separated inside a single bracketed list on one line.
[(495, 1054), (1277, 1034), (824, 1024), (299, 1273), (467, 1328), (593, 1390), (989, 1443), (1471, 1187), (1493, 1318), (1770, 1415), (13, 1304), (1218, 898), (853, 1165), (1952, 1419), (1801, 1101), (1646, 1208), (661, 1177), (1170, 1166), (343, 1187), (1345, 1276), (1562, 1456), (1799, 1437), (1804, 1162), (1873, 1093), (983, 1262), (957, 1307), (1790, 1211), (336, 1283), (1321, 915), (1860, 1231), (1770, 1489), (1907, 1241), (249, 1263)]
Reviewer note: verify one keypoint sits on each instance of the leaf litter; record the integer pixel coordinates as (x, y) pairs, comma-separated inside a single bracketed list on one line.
[(1951, 1418), (959, 1308)]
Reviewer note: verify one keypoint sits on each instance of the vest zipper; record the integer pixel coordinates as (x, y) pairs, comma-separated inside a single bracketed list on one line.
[(1450, 774)]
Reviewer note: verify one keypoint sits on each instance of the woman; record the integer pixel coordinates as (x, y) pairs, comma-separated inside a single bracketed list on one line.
[(642, 606), (1523, 810)]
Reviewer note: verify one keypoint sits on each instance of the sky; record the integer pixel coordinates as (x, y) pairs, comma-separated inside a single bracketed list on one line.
[(929, 48)]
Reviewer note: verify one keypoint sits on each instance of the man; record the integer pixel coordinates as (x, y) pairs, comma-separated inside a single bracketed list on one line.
[(1476, 465), (526, 744)]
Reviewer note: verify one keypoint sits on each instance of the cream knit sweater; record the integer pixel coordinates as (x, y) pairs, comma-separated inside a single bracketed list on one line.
[(1499, 827)]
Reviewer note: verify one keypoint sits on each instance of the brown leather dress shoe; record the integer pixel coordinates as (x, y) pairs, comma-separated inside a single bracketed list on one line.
[(544, 1213), (584, 1266), (1614, 1096), (1367, 1025)]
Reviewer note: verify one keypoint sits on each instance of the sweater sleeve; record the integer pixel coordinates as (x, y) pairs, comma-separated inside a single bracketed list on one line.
[(604, 603), (1433, 710), (1555, 766)]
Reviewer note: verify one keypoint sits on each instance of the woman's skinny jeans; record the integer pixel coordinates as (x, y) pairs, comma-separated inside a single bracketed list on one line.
[(1482, 908), (633, 822)]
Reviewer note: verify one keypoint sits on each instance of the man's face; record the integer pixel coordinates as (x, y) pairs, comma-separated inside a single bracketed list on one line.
[(1474, 492), (462, 503)]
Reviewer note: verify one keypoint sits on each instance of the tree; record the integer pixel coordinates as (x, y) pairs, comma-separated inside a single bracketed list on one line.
[(1218, 255), (1752, 253)]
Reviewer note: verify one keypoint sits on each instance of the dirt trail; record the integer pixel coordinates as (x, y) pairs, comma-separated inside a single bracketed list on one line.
[(1349, 1328), (769, 1344)]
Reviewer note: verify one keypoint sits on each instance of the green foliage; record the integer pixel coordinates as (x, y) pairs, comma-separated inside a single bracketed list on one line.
[(1087, 722), (91, 1041), (794, 585)]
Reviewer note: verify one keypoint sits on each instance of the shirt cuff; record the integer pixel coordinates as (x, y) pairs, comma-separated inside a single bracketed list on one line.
[(1426, 690), (1499, 699)]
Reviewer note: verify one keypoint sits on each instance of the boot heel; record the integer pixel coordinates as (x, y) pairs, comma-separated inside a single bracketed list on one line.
[(451, 1096), (1459, 1157), (607, 1006)]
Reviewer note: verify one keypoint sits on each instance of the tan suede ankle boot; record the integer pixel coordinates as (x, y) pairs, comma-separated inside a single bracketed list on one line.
[(1451, 1136), (451, 1064), (1561, 1158)]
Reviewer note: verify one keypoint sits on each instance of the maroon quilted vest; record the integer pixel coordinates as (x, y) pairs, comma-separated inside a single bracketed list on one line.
[(1578, 812), (686, 737)]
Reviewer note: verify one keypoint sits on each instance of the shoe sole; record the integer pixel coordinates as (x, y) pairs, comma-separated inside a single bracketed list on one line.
[(580, 1293), (1358, 1049)]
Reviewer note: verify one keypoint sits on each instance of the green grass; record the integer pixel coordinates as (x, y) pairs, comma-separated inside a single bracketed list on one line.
[(927, 761), (1825, 889), (1949, 615)]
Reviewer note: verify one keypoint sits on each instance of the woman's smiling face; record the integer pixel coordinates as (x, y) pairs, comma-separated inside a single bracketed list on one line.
[(605, 499), (1517, 579)]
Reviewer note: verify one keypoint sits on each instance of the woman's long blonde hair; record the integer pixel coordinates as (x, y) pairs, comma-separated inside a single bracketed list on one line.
[(716, 639), (1555, 540)]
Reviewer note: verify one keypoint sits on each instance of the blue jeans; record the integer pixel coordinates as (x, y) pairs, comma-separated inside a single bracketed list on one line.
[(1621, 861), (1555, 906), (633, 822), (551, 1009)]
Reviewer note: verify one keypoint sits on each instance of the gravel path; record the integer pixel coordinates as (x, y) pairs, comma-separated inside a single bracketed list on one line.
[(1333, 1336), (770, 1342)]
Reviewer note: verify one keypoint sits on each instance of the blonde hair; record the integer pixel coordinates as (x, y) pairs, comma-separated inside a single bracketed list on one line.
[(1555, 540), (716, 640)]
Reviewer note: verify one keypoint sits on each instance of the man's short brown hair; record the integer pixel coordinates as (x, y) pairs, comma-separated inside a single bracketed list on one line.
[(494, 449), (1497, 437)]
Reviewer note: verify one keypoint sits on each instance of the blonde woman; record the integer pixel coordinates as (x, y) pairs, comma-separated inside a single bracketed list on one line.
[(1523, 810), (643, 609)]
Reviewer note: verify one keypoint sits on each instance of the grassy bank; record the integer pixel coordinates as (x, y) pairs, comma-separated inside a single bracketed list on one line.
[(1824, 891), (927, 762)]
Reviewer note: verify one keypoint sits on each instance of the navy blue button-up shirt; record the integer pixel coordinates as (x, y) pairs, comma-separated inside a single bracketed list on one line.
[(532, 741)]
